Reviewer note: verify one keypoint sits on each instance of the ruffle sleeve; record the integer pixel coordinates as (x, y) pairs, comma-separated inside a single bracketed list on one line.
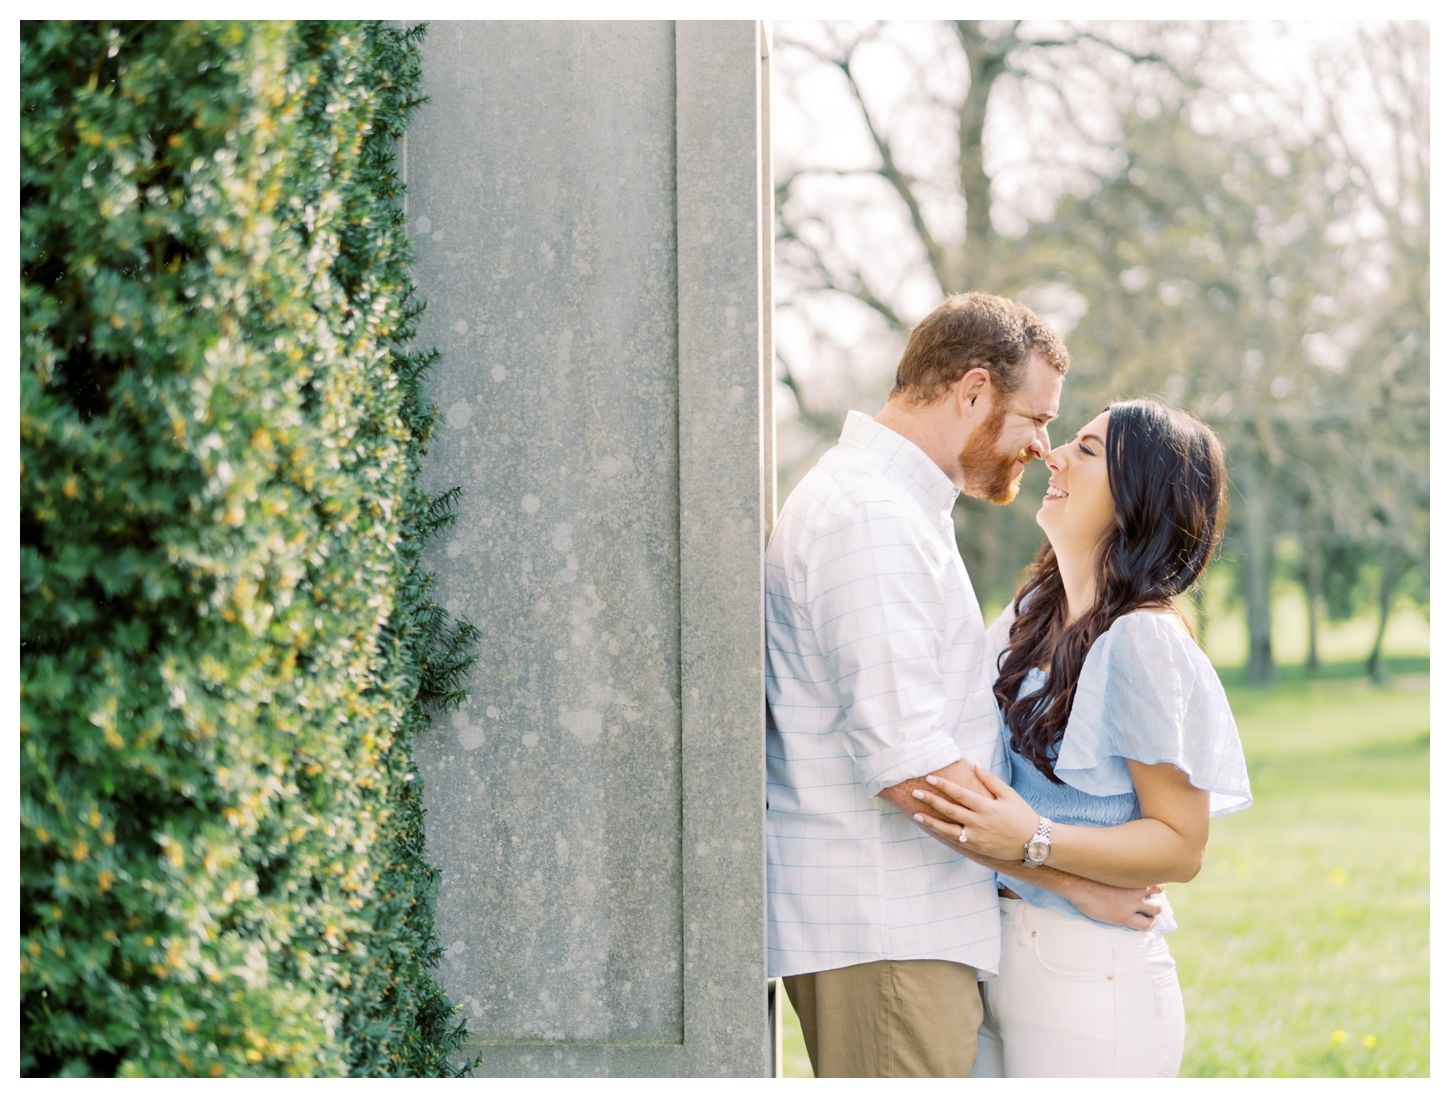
[(1148, 693)]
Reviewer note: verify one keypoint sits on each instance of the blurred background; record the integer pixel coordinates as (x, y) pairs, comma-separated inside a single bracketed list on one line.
[(1233, 217)]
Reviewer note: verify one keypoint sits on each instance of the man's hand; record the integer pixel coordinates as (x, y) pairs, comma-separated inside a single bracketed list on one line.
[(1134, 908)]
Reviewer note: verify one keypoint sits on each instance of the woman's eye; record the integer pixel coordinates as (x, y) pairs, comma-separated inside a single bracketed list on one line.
[(1085, 450)]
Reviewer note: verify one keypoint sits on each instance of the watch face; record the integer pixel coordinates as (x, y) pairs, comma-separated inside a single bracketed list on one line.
[(1038, 849)]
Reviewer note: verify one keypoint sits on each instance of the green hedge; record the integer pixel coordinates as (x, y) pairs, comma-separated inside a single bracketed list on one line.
[(226, 642)]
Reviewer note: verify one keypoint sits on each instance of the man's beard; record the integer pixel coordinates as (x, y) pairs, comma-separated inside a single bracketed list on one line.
[(987, 473)]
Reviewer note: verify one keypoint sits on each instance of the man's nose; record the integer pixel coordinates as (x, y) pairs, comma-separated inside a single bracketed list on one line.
[(1041, 446)]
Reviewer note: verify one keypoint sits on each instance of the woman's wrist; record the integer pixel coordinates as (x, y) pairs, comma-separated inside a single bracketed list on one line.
[(1038, 848)]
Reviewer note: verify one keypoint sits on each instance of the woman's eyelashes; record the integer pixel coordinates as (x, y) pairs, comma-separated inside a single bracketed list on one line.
[(1085, 450)]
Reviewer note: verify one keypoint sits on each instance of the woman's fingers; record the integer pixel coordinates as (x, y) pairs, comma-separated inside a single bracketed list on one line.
[(943, 785), (941, 826), (961, 795), (995, 785), (942, 806)]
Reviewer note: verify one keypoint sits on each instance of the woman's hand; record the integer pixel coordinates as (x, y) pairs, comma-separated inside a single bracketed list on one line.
[(997, 825)]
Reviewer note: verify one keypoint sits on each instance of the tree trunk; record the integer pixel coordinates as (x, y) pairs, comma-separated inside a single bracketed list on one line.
[(986, 60), (1313, 588), (1379, 670), (1257, 566)]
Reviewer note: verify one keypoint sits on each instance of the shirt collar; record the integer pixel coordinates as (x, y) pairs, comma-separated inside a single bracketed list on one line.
[(905, 462)]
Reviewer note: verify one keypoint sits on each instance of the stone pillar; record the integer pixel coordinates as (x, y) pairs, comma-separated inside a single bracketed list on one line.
[(587, 205)]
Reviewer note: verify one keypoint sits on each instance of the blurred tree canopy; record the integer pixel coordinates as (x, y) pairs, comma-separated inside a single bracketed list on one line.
[(1234, 219)]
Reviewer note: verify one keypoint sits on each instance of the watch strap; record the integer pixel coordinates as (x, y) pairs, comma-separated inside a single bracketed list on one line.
[(1043, 834)]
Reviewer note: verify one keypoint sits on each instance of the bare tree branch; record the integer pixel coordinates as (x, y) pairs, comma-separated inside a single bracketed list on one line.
[(898, 179)]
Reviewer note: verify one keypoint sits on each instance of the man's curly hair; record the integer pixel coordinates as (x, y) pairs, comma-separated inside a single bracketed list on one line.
[(971, 331)]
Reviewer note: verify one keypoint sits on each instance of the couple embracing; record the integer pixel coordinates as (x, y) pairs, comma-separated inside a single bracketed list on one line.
[(968, 828)]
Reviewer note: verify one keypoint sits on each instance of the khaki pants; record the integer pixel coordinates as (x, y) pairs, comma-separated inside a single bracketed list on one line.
[(889, 1019)]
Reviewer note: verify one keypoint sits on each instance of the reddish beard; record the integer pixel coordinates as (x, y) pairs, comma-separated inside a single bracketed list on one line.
[(986, 471)]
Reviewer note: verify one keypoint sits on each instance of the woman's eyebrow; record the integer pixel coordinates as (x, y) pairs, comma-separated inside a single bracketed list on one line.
[(1084, 438)]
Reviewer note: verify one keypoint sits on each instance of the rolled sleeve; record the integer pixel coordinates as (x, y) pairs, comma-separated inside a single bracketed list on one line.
[(905, 761), (878, 605)]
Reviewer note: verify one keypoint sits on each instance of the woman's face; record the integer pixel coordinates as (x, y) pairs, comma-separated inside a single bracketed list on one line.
[(1078, 509)]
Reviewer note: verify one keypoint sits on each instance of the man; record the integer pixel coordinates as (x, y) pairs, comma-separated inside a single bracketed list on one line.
[(876, 677)]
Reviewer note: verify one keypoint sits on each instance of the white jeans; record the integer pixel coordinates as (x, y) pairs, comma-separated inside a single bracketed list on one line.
[(1075, 999)]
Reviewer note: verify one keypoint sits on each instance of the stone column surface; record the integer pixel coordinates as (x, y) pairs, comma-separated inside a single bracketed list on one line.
[(584, 199)]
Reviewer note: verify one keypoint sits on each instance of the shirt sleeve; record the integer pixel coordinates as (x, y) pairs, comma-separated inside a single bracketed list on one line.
[(876, 599), (1149, 694)]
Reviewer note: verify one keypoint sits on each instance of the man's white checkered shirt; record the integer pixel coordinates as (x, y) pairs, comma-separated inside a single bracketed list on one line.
[(875, 674)]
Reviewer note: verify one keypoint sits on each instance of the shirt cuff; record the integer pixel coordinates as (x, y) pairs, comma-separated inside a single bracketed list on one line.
[(913, 759)]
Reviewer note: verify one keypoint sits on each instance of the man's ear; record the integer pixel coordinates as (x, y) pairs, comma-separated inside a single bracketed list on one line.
[(974, 384)]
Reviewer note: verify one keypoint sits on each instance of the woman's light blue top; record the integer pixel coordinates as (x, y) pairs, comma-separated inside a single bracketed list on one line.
[(1147, 693)]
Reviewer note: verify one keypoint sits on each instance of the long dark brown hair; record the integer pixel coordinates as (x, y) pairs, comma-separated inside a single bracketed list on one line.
[(1169, 487)]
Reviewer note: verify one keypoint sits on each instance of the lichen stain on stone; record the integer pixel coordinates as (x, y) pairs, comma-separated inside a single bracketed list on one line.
[(586, 725), (459, 415), (470, 735)]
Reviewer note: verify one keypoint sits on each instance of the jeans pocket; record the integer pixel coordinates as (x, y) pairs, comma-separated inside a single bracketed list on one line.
[(1168, 1005), (1074, 952)]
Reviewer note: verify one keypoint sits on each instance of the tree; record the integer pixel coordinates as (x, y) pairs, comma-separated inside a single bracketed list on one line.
[(1202, 231), (904, 215)]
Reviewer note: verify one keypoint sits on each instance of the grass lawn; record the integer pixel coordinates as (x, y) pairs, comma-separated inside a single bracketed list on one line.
[(1304, 945)]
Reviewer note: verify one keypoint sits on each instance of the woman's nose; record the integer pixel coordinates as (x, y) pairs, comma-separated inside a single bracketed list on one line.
[(1054, 459)]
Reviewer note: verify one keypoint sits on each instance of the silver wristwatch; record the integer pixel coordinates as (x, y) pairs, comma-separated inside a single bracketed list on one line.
[(1036, 850)]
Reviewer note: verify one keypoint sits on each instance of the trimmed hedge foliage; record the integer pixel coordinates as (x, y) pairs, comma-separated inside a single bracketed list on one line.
[(226, 641)]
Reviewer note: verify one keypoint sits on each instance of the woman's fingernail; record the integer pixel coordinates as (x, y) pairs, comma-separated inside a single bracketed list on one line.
[(919, 818), (931, 779), (919, 794)]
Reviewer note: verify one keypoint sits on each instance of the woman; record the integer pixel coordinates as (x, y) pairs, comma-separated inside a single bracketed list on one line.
[(1121, 743)]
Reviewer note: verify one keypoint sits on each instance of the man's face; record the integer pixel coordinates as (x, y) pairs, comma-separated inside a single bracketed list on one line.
[(1012, 433)]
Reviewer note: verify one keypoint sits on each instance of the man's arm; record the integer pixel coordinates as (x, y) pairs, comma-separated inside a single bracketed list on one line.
[(900, 794), (1134, 908)]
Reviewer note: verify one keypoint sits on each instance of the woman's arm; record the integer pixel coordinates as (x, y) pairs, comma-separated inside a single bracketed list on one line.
[(1134, 908), (1167, 844)]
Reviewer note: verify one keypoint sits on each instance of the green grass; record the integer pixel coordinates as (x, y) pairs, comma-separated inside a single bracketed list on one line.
[(1305, 941), (1304, 945)]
